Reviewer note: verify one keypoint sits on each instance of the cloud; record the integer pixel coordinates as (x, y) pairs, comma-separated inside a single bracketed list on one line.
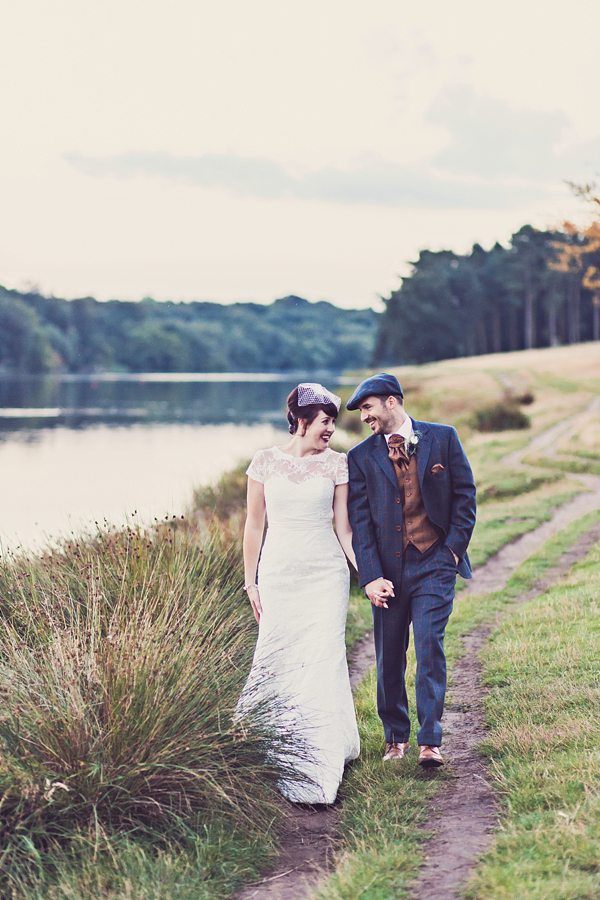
[(497, 157), (490, 139), (254, 176), (376, 183), (383, 183)]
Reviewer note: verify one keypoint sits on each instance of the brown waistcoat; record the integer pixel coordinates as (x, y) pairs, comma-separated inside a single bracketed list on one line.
[(416, 526)]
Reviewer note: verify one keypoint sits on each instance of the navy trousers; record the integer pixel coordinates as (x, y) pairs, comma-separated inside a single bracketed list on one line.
[(425, 597)]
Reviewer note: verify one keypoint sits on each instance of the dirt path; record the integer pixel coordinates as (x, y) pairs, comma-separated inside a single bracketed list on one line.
[(498, 569), (464, 814)]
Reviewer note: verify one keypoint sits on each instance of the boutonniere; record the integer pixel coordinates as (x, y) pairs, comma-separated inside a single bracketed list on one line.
[(412, 442)]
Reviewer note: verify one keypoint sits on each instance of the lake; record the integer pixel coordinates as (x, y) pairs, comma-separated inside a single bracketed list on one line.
[(75, 450)]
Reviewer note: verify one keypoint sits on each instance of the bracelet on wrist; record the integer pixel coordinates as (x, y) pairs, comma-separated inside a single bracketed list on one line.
[(248, 586)]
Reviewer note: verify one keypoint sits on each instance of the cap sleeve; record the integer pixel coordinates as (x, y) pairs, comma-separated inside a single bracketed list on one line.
[(257, 470), (341, 473)]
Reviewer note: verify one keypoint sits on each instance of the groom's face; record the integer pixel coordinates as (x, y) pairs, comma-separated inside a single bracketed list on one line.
[(381, 414)]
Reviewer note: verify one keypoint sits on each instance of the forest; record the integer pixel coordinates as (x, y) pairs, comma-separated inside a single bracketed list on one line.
[(542, 290), (43, 334)]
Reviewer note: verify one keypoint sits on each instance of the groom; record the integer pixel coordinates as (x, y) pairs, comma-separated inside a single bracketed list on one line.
[(412, 511)]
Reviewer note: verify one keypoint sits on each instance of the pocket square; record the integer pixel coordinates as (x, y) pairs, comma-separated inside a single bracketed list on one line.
[(437, 468)]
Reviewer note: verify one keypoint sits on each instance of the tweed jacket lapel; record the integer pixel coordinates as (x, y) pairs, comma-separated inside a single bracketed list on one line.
[(380, 453), (423, 448)]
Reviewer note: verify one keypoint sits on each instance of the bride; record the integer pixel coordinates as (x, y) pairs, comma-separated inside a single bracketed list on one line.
[(300, 598)]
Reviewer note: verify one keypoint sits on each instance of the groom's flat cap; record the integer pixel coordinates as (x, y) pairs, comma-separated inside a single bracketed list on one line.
[(382, 385)]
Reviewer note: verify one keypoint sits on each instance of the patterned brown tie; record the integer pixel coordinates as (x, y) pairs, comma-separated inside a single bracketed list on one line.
[(397, 452)]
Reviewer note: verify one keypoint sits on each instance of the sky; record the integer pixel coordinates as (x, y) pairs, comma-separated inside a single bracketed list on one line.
[(243, 151)]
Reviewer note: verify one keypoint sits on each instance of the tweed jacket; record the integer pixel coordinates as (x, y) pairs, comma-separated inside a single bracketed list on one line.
[(375, 508)]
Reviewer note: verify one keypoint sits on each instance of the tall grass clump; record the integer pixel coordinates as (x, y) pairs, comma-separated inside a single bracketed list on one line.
[(122, 656)]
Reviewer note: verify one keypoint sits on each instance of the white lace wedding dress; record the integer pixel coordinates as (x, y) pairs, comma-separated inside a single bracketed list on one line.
[(300, 658)]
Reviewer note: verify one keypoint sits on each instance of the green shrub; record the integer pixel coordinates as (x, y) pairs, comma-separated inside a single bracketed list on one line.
[(526, 398), (502, 416)]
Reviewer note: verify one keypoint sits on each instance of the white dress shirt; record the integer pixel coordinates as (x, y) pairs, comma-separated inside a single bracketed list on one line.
[(404, 431)]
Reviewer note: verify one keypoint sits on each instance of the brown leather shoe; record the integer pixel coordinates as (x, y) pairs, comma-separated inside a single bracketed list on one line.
[(430, 757), (395, 751)]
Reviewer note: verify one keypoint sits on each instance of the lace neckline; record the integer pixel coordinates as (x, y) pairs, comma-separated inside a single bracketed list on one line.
[(301, 459)]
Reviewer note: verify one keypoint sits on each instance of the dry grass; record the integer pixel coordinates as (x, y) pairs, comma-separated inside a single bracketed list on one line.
[(583, 439), (121, 660), (562, 380)]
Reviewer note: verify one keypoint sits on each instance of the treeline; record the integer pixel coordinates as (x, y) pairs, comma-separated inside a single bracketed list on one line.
[(537, 292), (542, 290), (43, 334)]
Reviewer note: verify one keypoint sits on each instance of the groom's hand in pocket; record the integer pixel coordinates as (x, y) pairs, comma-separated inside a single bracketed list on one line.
[(379, 591)]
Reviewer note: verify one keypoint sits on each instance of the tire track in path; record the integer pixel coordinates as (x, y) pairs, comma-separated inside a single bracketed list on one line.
[(497, 570)]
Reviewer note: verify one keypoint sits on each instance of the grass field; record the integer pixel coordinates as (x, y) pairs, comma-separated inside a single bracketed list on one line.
[(542, 667), (539, 674), (122, 771), (546, 848)]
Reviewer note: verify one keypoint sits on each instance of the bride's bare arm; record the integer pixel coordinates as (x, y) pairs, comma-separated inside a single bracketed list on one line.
[(253, 535), (342, 523)]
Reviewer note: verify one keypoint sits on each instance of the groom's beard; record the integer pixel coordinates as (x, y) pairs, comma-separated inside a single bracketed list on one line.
[(382, 425)]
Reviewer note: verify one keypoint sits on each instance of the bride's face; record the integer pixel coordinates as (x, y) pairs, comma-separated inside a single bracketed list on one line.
[(319, 432)]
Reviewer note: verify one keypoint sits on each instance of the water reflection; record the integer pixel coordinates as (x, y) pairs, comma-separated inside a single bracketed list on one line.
[(58, 481), (78, 449), (75, 401)]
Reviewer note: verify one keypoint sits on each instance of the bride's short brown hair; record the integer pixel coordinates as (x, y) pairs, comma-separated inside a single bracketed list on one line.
[(307, 413)]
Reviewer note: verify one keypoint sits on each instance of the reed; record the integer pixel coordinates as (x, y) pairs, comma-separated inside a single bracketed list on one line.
[(122, 656)]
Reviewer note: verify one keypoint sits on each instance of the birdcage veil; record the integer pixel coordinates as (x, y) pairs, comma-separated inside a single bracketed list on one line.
[(310, 392)]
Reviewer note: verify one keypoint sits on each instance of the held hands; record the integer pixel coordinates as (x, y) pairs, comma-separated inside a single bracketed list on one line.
[(379, 590)]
